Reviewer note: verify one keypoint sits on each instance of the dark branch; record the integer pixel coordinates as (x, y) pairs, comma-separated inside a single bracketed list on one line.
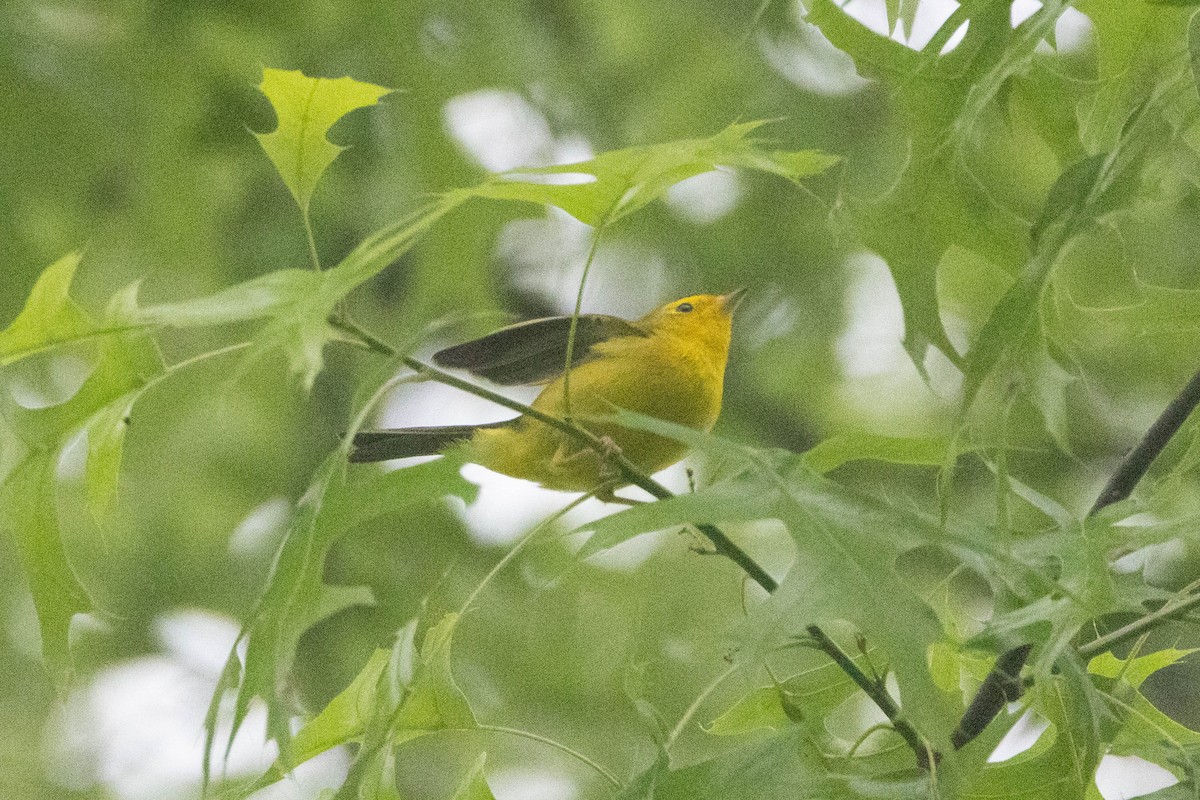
[(1002, 685), (1139, 459)]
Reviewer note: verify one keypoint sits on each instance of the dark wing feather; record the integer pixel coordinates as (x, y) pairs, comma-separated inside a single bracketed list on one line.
[(533, 351)]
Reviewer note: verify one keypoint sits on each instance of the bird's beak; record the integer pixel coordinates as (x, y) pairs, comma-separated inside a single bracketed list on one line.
[(730, 301)]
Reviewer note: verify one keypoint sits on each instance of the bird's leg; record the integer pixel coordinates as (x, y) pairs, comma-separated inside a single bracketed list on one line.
[(568, 454), (608, 450)]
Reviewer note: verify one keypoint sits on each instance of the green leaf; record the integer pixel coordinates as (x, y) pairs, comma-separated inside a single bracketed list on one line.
[(724, 503), (1135, 725), (306, 109), (345, 718), (620, 182), (296, 304), (762, 708), (49, 318), (296, 596), (1048, 385), (935, 199), (1069, 196), (809, 695), (28, 510), (835, 451), (120, 366), (1087, 189), (267, 296), (373, 771), (136, 365), (847, 546), (434, 701), (785, 765), (1063, 760), (1137, 47), (474, 786), (1135, 672)]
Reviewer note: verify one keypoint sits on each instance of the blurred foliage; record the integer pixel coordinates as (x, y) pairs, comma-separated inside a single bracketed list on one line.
[(971, 254)]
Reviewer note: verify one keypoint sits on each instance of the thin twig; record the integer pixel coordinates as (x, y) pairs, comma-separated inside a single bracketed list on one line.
[(1139, 625), (877, 691)]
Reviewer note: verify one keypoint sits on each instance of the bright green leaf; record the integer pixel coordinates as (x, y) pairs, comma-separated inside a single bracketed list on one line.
[(306, 109), (762, 708), (49, 318), (346, 716), (619, 182), (1136, 672)]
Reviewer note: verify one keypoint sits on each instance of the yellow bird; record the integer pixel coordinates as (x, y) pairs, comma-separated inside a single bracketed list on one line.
[(670, 365)]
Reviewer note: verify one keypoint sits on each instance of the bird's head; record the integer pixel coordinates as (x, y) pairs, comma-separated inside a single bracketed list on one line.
[(703, 318)]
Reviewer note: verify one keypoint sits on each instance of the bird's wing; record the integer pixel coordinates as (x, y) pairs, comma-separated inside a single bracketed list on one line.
[(534, 351)]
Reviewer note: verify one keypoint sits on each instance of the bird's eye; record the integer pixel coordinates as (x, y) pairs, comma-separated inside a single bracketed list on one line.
[(683, 308)]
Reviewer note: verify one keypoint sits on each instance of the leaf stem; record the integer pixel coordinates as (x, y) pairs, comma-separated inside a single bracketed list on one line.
[(695, 706), (587, 268), (313, 258), (578, 756)]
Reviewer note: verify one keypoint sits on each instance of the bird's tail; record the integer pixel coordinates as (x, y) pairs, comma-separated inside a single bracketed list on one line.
[(391, 443)]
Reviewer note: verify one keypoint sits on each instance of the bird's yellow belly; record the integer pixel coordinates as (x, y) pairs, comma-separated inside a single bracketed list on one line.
[(684, 392)]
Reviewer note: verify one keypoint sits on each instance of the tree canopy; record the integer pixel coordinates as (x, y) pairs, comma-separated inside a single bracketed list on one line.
[(967, 234)]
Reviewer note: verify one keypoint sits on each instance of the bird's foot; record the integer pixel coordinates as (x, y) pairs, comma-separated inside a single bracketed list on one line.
[(606, 453)]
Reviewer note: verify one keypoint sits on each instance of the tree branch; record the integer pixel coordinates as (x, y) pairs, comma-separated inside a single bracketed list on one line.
[(631, 474), (877, 691), (1002, 685)]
